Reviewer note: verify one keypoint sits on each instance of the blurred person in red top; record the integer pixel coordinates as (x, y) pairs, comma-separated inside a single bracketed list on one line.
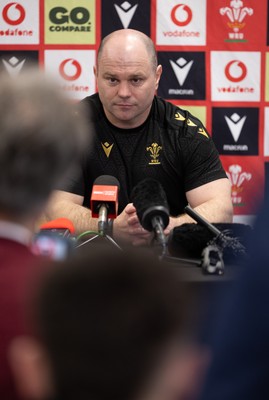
[(40, 142), (110, 325)]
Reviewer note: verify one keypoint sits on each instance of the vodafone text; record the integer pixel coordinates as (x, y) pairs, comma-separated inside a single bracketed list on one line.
[(236, 89), (16, 32), (183, 33)]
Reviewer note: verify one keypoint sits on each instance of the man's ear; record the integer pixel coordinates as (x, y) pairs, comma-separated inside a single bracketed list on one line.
[(159, 71), (95, 71), (31, 370)]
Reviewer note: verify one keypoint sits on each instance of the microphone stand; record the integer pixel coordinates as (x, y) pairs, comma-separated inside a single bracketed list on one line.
[(102, 232), (97, 235), (212, 255), (102, 228)]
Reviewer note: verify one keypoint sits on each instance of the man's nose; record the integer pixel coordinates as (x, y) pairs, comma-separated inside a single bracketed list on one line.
[(124, 89)]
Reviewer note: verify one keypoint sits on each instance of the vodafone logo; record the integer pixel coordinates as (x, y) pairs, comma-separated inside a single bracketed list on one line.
[(13, 14), (70, 69), (181, 15), (235, 71)]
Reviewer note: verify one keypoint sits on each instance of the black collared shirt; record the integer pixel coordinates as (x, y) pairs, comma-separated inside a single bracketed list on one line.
[(171, 146)]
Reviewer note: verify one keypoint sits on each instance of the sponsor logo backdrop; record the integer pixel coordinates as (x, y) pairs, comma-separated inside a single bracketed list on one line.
[(215, 57)]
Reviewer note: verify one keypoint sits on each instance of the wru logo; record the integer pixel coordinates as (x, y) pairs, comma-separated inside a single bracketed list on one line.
[(154, 150)]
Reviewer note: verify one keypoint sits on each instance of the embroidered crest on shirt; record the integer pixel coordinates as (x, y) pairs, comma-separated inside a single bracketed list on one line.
[(107, 148), (154, 150)]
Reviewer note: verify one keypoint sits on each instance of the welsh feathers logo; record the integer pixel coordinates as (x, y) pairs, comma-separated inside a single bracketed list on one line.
[(238, 179), (154, 151), (236, 15)]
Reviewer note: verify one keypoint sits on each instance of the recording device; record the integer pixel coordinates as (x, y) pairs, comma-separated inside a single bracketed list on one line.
[(55, 239), (212, 244), (152, 209), (61, 226), (104, 200)]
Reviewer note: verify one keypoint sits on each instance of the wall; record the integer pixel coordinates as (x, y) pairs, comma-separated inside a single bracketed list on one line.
[(215, 57)]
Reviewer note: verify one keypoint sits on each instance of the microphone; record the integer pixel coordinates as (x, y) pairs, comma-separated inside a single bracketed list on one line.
[(104, 200), (152, 209), (62, 226)]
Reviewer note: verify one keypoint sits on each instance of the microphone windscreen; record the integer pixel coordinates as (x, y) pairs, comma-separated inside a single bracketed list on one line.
[(147, 195), (107, 180), (59, 223), (189, 240)]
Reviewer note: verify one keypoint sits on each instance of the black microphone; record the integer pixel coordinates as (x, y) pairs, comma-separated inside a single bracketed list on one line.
[(104, 200), (152, 209)]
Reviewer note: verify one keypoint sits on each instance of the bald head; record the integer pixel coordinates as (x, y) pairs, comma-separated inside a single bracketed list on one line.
[(129, 38)]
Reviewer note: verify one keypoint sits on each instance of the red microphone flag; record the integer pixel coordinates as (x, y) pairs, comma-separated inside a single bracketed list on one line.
[(104, 194)]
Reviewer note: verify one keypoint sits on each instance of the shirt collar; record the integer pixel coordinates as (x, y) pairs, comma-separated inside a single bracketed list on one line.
[(15, 232)]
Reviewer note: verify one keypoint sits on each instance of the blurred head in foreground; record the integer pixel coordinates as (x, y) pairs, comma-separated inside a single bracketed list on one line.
[(40, 141), (109, 325)]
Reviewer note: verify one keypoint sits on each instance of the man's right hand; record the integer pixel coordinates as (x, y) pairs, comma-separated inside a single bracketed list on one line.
[(127, 228)]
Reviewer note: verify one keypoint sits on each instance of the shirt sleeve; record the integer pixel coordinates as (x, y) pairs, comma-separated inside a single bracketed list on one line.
[(201, 161), (74, 182)]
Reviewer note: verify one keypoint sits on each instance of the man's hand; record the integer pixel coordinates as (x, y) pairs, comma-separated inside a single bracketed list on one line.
[(128, 228)]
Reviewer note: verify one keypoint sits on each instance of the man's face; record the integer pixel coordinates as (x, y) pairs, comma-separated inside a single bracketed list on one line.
[(127, 82)]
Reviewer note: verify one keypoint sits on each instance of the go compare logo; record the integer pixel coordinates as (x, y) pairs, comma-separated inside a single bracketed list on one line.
[(69, 22), (76, 19)]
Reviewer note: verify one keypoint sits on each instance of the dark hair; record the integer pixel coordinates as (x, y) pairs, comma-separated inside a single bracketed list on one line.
[(40, 141), (105, 317)]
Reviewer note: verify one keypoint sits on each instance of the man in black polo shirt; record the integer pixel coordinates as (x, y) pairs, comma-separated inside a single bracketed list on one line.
[(137, 135)]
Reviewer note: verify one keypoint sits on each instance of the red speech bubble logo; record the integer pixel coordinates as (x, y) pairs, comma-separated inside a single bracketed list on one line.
[(235, 71), (6, 12), (77, 68), (183, 12)]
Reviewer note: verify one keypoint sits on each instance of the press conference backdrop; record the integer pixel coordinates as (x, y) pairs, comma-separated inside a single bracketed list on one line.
[(215, 57)]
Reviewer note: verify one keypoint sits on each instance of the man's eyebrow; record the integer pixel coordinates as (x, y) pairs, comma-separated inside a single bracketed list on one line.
[(135, 75), (110, 74)]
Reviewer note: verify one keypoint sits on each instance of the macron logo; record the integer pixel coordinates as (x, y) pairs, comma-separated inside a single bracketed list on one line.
[(125, 12), (235, 124), (181, 69), (13, 66)]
